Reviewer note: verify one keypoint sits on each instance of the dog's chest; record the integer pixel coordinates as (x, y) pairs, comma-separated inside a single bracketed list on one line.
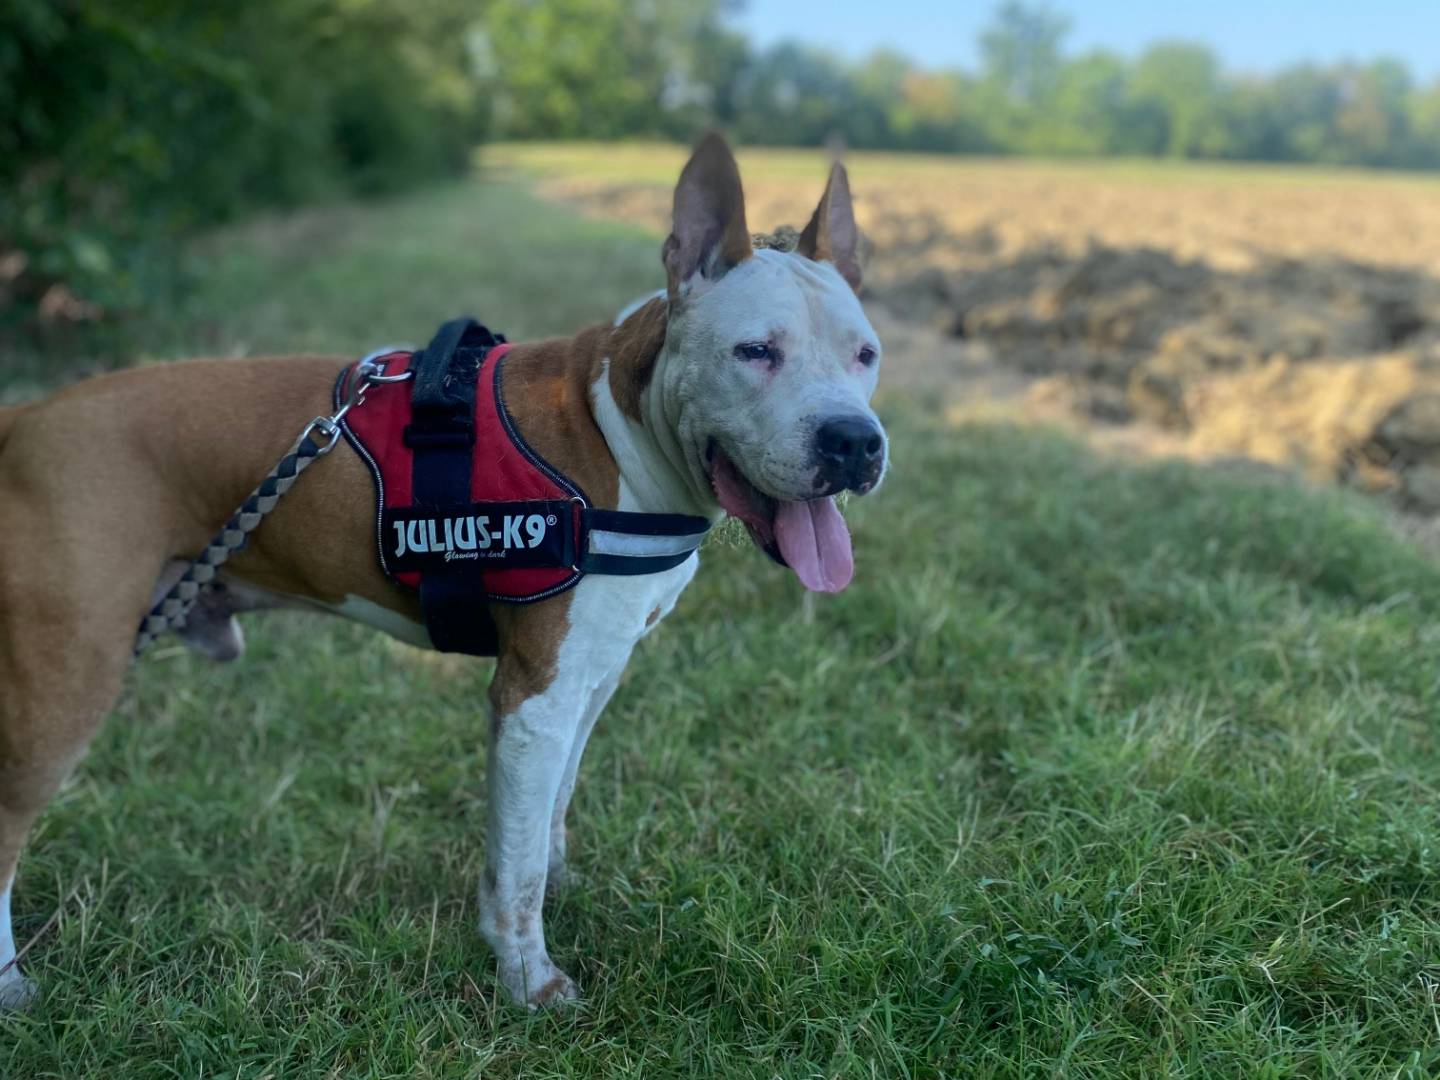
[(610, 614)]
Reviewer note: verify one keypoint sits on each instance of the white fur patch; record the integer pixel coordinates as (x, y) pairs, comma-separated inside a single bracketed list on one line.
[(653, 470)]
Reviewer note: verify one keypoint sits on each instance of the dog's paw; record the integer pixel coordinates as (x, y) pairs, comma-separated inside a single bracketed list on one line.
[(560, 990), (547, 987), (17, 993)]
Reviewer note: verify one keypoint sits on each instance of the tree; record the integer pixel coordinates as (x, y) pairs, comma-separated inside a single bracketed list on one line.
[(1021, 50), (1091, 112), (796, 96), (1423, 151), (879, 117), (1181, 82), (1371, 126), (597, 68)]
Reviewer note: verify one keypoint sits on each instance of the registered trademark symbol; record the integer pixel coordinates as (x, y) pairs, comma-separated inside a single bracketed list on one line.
[(550, 520)]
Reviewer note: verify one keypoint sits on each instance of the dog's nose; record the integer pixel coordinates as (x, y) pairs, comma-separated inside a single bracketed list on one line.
[(850, 440), (851, 451)]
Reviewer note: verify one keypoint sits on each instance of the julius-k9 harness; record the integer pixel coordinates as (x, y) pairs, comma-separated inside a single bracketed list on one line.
[(466, 511)]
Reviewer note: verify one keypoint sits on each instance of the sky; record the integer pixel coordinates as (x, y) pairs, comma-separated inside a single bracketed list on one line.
[(1253, 36)]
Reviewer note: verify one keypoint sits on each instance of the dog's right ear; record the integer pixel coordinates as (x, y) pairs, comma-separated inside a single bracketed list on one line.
[(831, 235), (709, 237)]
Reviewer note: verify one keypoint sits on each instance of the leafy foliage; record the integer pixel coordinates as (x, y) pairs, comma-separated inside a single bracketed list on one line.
[(603, 68), (130, 123)]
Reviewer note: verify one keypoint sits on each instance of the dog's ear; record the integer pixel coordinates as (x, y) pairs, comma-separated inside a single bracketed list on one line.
[(831, 235), (709, 236)]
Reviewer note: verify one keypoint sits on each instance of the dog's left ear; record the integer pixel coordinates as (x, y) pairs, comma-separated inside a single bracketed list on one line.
[(831, 235), (709, 237)]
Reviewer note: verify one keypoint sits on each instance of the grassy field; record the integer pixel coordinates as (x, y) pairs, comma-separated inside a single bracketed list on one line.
[(1096, 771)]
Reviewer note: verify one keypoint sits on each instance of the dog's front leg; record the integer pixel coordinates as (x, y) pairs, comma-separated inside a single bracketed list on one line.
[(539, 705), (558, 872), (529, 749), (559, 663)]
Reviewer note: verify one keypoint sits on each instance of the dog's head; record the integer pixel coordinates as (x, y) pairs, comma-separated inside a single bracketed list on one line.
[(770, 365)]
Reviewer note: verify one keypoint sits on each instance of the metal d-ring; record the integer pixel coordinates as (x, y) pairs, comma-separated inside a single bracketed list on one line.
[(369, 367)]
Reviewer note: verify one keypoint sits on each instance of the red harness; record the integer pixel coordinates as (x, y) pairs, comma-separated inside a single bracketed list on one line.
[(467, 511), (506, 470)]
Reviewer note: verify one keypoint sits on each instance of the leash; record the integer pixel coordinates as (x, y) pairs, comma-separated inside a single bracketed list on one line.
[(317, 440)]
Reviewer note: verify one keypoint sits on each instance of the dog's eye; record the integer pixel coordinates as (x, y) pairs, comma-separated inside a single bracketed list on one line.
[(754, 350), (867, 356)]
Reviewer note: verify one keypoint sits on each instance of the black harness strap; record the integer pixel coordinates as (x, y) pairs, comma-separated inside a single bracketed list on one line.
[(442, 434)]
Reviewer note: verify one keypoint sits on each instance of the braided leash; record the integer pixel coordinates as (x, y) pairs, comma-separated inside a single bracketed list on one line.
[(171, 612)]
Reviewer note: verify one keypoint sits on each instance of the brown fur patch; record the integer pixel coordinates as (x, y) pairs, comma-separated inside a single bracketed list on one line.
[(103, 484), (634, 348), (547, 390), (529, 650), (319, 542), (652, 618)]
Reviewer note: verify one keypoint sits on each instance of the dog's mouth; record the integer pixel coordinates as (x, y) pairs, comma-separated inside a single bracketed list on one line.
[(807, 535)]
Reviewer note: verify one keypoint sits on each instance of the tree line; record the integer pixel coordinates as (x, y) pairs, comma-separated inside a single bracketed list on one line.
[(1027, 96), (125, 124)]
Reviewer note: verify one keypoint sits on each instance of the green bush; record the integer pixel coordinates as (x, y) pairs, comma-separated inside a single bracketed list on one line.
[(128, 123)]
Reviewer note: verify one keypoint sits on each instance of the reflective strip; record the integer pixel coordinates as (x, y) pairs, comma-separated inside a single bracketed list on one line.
[(637, 545)]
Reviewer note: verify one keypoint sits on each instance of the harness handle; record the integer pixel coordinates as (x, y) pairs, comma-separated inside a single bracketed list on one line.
[(442, 401), (432, 367)]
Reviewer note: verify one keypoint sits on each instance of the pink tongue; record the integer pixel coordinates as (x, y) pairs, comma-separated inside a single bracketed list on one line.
[(815, 542)]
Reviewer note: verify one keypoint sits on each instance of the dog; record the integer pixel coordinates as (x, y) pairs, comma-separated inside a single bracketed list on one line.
[(743, 388)]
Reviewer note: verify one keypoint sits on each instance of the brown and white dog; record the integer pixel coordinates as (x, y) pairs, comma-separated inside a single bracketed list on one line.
[(744, 389)]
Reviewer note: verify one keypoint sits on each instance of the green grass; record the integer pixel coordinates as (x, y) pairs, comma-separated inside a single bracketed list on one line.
[(1096, 771)]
